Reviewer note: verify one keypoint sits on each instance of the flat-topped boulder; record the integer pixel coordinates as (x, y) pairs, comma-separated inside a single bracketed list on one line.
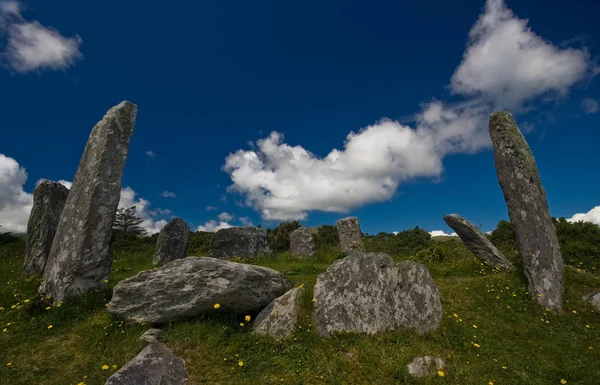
[(48, 202), (242, 242), (478, 243), (191, 286), (302, 242), (172, 243), (525, 198), (370, 293), (350, 234)]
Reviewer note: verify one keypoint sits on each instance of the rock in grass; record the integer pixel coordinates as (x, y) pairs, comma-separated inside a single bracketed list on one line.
[(350, 234), (243, 242), (173, 242), (425, 366), (478, 243), (150, 336), (525, 198), (154, 365), (48, 202), (280, 318), (191, 286), (81, 255), (369, 293), (302, 242), (594, 299)]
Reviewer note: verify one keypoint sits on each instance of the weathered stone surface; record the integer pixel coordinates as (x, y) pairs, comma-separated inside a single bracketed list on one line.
[(154, 365), (594, 299), (369, 293), (477, 242), (280, 318), (525, 198), (193, 285), (150, 336), (425, 366), (173, 242), (48, 202), (302, 242), (350, 234), (80, 258), (243, 242)]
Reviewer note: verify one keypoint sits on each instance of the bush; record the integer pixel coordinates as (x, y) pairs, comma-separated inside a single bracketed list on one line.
[(6, 238), (279, 237), (408, 242), (326, 237), (200, 243)]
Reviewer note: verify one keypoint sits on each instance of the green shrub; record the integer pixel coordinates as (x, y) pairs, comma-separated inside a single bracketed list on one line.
[(408, 242), (200, 243), (327, 236), (279, 237)]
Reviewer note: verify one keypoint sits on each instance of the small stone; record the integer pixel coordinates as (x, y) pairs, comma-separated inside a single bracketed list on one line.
[(350, 234), (150, 336), (173, 242), (302, 242), (593, 298), (280, 318), (242, 242), (425, 366)]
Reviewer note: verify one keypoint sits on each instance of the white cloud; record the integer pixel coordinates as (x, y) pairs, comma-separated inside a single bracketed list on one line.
[(149, 222), (505, 66), (591, 216), (212, 226), (15, 203), (441, 233), (225, 217), (211, 208), (590, 106), (150, 154), (246, 221), (168, 194), (31, 46)]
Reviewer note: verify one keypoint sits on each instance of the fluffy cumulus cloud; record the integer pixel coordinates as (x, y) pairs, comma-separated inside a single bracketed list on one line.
[(505, 66), (591, 216), (15, 203), (150, 223), (441, 233), (212, 226), (590, 106), (246, 221), (31, 46), (225, 217)]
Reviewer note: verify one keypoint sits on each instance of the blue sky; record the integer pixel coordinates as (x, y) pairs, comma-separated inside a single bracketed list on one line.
[(257, 112)]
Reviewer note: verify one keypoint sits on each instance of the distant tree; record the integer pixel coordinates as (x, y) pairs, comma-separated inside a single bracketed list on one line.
[(8, 238), (128, 222), (327, 236), (408, 242), (279, 237)]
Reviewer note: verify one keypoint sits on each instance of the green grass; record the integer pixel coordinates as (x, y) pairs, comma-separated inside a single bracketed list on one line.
[(519, 342)]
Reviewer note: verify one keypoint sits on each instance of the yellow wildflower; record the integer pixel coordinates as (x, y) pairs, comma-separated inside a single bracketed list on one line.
[(48, 308), (9, 364), (5, 330), (26, 301), (241, 363), (441, 373), (475, 326), (491, 383), (314, 300), (104, 367), (563, 381), (216, 306), (106, 281), (13, 306), (8, 324), (241, 324), (49, 326), (574, 311), (476, 345), (455, 315), (114, 366), (247, 318)]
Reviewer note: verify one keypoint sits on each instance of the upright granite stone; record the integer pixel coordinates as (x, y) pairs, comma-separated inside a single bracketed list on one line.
[(369, 293), (80, 258), (350, 234), (48, 203), (243, 242), (477, 242), (173, 242), (302, 242), (525, 198)]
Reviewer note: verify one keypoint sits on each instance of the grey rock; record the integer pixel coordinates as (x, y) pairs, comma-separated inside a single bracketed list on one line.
[(369, 293), (173, 242), (154, 365), (280, 318), (525, 198), (80, 258), (594, 299), (190, 286), (350, 234), (302, 242), (48, 203), (150, 336), (243, 242), (425, 366), (477, 242)]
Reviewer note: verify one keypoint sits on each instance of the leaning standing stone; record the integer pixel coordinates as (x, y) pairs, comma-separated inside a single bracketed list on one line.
[(525, 198), (477, 242), (80, 258), (48, 203), (173, 242), (302, 242), (350, 234), (280, 318), (369, 293)]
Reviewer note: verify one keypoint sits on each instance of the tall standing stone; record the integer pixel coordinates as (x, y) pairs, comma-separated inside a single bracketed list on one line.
[(80, 258), (478, 243), (525, 198), (302, 242), (173, 242), (48, 203), (350, 234)]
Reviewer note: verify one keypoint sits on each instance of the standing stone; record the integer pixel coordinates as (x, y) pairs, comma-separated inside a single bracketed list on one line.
[(80, 258), (173, 242), (477, 242), (302, 242), (525, 198), (242, 242), (350, 234), (48, 202), (280, 318), (369, 293)]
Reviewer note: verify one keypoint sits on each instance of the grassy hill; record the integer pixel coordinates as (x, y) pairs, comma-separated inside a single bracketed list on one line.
[(491, 332)]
